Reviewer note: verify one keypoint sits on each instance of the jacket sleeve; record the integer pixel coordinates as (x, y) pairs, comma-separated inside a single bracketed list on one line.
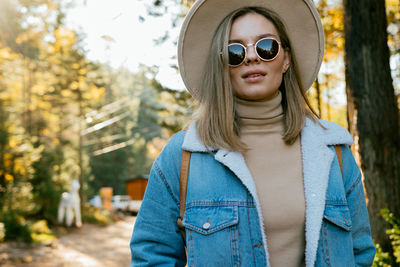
[(363, 246), (156, 239)]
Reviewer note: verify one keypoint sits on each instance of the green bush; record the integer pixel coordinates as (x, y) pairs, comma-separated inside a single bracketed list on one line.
[(40, 232), (97, 216), (381, 258), (2, 232), (40, 227), (384, 258), (16, 228)]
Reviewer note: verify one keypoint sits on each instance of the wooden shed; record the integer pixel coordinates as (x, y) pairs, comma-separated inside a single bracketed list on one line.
[(136, 187)]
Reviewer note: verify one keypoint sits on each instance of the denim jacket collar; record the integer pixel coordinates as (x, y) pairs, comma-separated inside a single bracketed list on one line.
[(317, 159)]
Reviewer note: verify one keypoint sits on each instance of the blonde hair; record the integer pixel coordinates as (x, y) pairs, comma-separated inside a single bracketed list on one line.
[(217, 121)]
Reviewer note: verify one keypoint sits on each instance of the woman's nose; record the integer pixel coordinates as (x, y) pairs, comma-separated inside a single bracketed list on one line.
[(251, 55)]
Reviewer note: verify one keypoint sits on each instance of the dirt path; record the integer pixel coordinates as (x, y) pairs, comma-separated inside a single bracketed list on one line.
[(89, 246)]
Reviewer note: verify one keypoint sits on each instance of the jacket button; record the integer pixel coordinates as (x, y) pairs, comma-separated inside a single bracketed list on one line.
[(206, 226)]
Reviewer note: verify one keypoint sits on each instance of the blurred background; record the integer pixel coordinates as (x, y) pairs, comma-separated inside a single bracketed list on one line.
[(90, 91)]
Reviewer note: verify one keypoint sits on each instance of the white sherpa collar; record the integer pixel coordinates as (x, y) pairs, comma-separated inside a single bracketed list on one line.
[(317, 159), (192, 143)]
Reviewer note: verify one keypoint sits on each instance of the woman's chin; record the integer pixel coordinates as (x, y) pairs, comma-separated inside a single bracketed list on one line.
[(257, 95)]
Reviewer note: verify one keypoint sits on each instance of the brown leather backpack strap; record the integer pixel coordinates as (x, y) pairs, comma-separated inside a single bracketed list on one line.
[(185, 162), (339, 156)]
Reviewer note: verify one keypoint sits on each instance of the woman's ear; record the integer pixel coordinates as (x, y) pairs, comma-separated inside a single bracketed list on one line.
[(286, 61)]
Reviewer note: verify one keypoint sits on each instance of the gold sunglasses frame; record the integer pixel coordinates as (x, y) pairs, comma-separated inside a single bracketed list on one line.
[(255, 50)]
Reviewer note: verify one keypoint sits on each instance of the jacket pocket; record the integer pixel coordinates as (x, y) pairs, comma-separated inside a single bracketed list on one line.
[(212, 235), (336, 243), (339, 216)]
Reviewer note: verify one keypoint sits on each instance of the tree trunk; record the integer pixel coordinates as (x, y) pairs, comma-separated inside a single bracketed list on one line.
[(373, 114)]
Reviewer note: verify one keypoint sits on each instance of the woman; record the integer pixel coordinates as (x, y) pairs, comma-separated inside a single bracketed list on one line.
[(265, 187)]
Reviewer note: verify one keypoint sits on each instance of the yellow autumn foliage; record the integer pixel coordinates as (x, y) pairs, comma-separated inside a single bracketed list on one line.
[(8, 177)]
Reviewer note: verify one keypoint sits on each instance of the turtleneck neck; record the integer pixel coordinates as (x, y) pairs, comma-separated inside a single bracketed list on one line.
[(261, 115), (277, 172)]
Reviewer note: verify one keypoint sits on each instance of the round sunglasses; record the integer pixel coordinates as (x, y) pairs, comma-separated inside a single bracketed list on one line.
[(267, 49)]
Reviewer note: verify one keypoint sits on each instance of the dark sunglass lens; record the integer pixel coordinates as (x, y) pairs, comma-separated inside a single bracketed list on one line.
[(236, 53), (267, 48)]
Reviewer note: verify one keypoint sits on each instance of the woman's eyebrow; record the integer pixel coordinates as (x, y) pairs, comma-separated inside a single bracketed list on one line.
[(258, 37)]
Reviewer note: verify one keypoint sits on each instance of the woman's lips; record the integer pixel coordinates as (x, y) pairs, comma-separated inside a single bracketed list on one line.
[(254, 76)]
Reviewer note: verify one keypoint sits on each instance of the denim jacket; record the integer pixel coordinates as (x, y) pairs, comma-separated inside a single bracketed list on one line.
[(223, 220)]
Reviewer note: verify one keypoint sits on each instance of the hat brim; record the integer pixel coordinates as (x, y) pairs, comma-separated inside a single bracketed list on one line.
[(300, 18)]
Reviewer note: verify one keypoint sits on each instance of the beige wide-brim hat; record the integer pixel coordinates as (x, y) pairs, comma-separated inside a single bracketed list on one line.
[(300, 18)]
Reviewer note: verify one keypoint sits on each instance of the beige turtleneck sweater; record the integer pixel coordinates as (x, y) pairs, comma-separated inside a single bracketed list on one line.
[(277, 172)]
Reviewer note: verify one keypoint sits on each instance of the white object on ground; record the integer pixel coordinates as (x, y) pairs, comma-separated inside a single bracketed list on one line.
[(120, 202), (71, 204)]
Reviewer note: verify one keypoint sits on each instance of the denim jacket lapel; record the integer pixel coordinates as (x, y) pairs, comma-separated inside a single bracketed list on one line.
[(317, 160), (236, 163)]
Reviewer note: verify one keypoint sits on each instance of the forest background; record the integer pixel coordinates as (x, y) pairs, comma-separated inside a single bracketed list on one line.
[(64, 116)]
